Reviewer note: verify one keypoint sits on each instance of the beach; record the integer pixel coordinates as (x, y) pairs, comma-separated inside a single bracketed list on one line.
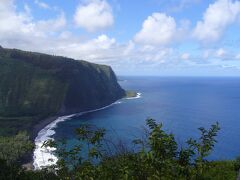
[(45, 130)]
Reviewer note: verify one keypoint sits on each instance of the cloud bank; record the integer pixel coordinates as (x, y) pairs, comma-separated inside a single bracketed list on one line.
[(94, 15), (161, 42)]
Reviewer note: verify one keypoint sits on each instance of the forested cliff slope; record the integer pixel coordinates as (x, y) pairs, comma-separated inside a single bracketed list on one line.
[(34, 86)]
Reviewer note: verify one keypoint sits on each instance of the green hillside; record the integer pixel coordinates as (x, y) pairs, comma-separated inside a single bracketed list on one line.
[(34, 86)]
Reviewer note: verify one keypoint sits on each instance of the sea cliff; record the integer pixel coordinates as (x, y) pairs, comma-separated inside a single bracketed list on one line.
[(35, 86)]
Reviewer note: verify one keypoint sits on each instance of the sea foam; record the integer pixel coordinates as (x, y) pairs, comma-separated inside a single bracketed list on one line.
[(139, 95), (44, 156)]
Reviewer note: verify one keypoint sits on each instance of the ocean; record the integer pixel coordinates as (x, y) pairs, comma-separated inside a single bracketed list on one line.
[(182, 104)]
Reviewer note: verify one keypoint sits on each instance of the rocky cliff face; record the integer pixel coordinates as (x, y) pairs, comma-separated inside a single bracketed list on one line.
[(35, 85)]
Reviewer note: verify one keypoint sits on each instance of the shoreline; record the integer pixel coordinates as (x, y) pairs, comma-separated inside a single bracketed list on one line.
[(138, 95), (43, 123), (44, 130), (41, 155), (36, 129)]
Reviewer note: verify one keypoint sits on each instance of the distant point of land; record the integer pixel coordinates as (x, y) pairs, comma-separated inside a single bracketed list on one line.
[(131, 94)]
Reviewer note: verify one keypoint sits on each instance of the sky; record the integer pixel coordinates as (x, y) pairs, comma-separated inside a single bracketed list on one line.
[(135, 37)]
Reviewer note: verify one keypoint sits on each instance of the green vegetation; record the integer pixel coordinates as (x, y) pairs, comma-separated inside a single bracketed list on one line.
[(12, 149), (34, 86), (158, 157)]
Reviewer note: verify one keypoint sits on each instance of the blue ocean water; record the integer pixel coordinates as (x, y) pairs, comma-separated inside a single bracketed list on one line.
[(182, 104)]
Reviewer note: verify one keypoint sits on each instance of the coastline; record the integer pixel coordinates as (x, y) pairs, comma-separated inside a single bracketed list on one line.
[(42, 155), (36, 129), (138, 95), (45, 129), (43, 123)]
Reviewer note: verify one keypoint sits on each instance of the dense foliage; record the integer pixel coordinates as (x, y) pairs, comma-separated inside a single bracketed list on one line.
[(12, 149), (158, 157), (34, 86)]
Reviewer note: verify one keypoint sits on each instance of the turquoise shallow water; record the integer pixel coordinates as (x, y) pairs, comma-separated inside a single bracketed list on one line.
[(182, 104)]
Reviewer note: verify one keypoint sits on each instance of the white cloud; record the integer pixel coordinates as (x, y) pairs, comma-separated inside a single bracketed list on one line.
[(25, 33), (237, 56), (129, 48), (52, 24), (13, 23), (21, 25), (42, 4), (27, 9), (157, 29), (20, 30), (220, 53), (206, 54), (101, 42), (153, 54), (185, 56), (216, 19), (94, 15), (95, 50)]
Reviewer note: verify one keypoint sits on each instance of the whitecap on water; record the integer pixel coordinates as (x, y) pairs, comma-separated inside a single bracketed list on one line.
[(139, 95), (44, 156)]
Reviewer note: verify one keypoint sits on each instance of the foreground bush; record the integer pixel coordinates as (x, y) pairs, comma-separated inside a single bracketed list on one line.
[(158, 157)]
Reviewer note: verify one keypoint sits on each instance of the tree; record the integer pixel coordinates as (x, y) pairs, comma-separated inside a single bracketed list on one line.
[(15, 147), (203, 147), (159, 156), (12, 149)]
